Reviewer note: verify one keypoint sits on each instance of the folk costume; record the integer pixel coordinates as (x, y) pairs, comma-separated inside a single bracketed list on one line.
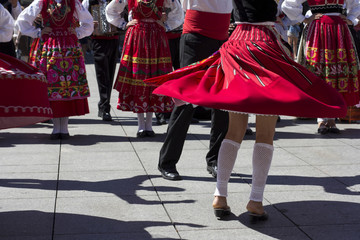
[(58, 55), (8, 14), (327, 48), (23, 94), (145, 54), (253, 73), (205, 29), (104, 43)]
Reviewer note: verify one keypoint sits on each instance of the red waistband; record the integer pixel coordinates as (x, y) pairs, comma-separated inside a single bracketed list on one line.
[(212, 25)]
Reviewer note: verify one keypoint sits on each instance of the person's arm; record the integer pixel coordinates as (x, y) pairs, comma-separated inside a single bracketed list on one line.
[(176, 15), (86, 4), (26, 18), (6, 25), (16, 8), (85, 19), (353, 11), (113, 13), (293, 10)]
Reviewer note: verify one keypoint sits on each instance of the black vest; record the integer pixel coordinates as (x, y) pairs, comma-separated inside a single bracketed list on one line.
[(255, 10)]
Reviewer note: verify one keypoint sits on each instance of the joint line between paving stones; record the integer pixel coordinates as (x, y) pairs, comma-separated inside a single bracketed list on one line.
[(56, 194), (152, 184)]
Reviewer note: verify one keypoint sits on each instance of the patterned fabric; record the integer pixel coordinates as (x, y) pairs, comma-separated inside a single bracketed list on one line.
[(58, 55), (146, 54), (331, 54), (252, 73), (23, 94)]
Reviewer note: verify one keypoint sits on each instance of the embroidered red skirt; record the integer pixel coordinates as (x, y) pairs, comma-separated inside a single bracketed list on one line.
[(146, 54), (23, 94), (252, 73), (59, 57), (331, 54)]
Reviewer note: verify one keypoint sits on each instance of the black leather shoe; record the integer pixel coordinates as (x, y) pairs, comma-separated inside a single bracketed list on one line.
[(149, 133), (249, 131), (106, 117), (64, 136), (170, 175), (212, 170), (141, 134), (55, 136)]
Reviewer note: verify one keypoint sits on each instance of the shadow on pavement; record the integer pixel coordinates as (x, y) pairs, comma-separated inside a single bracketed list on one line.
[(319, 219), (43, 224)]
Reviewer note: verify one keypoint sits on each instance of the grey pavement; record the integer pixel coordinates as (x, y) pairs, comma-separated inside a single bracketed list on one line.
[(103, 183)]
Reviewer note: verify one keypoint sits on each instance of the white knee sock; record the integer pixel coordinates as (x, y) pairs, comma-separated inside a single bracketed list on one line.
[(226, 160), (64, 124), (141, 121), (261, 162), (57, 125), (148, 121)]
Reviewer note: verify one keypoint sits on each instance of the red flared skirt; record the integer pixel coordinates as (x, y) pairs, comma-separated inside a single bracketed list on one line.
[(331, 54), (23, 94), (252, 73), (146, 54)]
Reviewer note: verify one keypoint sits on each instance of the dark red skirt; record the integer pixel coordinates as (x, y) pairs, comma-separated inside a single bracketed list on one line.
[(252, 73), (331, 54), (75, 107), (146, 54), (23, 94)]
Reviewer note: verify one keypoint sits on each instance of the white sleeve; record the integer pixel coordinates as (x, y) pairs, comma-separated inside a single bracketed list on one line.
[(86, 4), (293, 9), (16, 11), (26, 18), (6, 25), (85, 19), (176, 15), (113, 13), (353, 11)]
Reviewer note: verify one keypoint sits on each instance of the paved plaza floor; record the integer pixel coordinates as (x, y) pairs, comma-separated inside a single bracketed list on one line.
[(103, 183)]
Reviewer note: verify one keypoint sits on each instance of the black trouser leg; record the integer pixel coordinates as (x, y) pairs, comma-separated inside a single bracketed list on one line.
[(176, 133), (105, 54), (219, 127), (8, 48)]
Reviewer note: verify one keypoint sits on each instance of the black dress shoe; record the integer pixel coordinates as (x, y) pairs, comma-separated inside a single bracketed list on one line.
[(55, 136), (149, 133), (141, 134), (249, 131), (170, 175), (212, 170), (106, 117), (64, 136)]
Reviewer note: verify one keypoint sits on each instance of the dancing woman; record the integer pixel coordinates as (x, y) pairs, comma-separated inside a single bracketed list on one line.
[(251, 73)]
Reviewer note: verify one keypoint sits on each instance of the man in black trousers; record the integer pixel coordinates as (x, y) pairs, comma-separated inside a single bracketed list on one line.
[(196, 43), (105, 44)]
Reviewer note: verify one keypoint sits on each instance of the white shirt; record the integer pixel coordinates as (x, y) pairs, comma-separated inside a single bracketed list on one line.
[(6, 25), (16, 10), (26, 18), (293, 9), (212, 6), (116, 7)]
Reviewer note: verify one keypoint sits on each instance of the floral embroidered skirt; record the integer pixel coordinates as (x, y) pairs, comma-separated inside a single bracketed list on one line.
[(60, 58), (253, 73), (146, 54), (330, 53), (23, 94)]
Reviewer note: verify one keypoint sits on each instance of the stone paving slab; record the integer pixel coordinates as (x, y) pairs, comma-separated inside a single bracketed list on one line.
[(103, 183)]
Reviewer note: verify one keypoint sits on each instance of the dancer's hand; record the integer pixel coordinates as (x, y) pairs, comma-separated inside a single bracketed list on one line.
[(131, 23), (46, 30), (312, 18)]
